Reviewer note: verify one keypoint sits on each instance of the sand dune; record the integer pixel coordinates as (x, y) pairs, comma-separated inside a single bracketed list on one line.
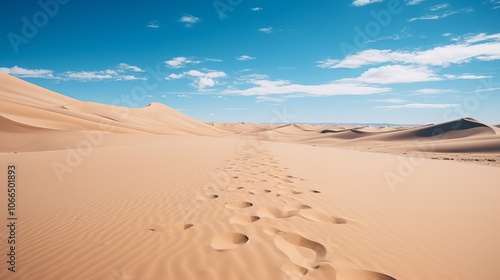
[(27, 108), (112, 193)]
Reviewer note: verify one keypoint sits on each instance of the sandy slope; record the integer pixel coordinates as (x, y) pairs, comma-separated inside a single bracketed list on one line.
[(154, 194)]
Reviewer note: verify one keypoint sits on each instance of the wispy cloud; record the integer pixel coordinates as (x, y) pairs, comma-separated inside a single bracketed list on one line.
[(154, 24), (184, 96), (100, 75), (201, 79), (213, 59), (123, 67), (413, 2), (256, 9), (480, 47), (395, 74), (419, 106), (359, 3), (180, 62), (266, 30), (444, 15), (439, 7), (495, 4), (189, 20), (467, 76), (28, 73), (429, 91), (280, 87), (245, 58)]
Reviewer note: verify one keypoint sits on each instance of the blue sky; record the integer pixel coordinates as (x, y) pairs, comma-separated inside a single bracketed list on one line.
[(350, 61)]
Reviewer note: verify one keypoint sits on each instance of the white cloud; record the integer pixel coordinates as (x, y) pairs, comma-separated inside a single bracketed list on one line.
[(445, 55), (266, 30), (213, 59), (488, 89), (426, 17), (128, 78), (189, 20), (447, 14), (154, 24), (447, 34), (413, 2), (359, 3), (481, 37), (122, 67), (395, 74), (245, 58), (202, 79), (99, 76), (280, 87), (184, 96), (180, 62), (439, 7), (174, 76), (425, 91), (419, 106), (466, 77), (495, 4), (89, 75), (256, 9), (28, 73)]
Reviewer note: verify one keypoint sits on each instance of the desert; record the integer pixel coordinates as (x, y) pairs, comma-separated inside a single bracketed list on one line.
[(153, 194)]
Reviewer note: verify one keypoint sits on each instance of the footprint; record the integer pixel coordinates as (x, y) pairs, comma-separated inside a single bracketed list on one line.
[(360, 274), (315, 191), (169, 228), (238, 204), (207, 196), (317, 216), (228, 240), (234, 188), (242, 219), (301, 251)]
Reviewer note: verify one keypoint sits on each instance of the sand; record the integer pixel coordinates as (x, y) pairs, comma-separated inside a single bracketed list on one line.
[(112, 193)]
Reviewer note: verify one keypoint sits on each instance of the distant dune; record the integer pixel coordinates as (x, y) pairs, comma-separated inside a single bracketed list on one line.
[(106, 192)]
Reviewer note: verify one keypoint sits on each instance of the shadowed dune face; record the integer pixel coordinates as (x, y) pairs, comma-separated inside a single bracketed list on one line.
[(466, 126)]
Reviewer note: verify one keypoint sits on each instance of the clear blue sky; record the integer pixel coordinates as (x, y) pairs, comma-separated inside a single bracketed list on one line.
[(394, 61)]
